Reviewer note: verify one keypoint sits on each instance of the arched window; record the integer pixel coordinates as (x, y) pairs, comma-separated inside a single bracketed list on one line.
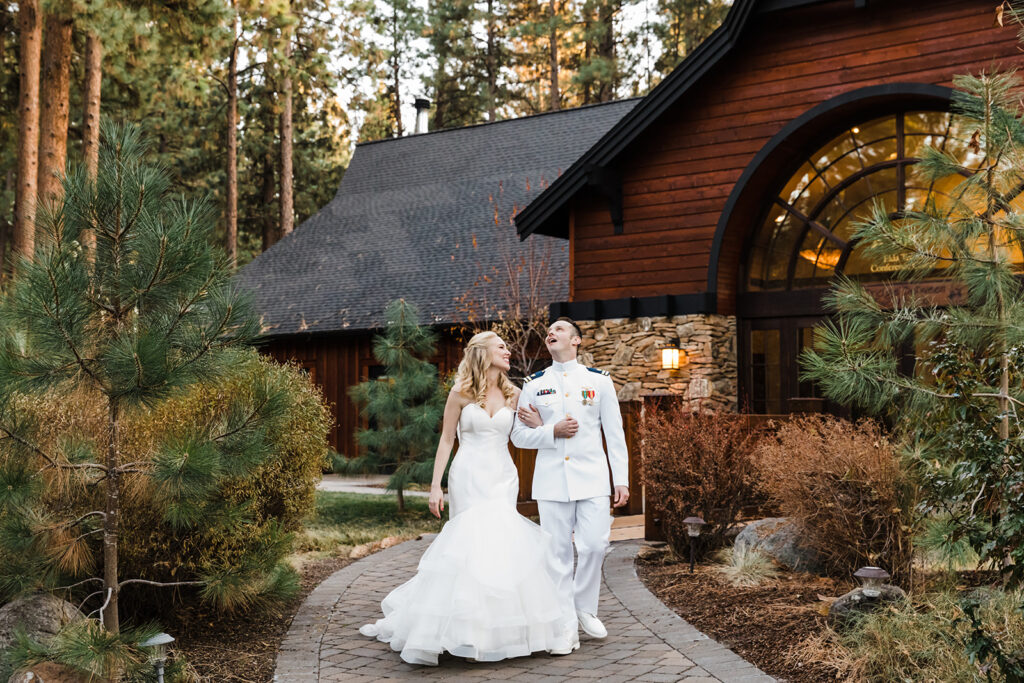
[(807, 234)]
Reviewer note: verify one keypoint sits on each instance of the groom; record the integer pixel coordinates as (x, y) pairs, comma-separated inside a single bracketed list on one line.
[(570, 478)]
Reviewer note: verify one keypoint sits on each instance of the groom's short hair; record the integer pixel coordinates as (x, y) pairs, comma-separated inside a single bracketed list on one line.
[(572, 322)]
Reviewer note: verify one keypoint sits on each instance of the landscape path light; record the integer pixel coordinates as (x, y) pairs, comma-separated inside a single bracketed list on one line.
[(693, 528), (158, 657), (871, 579)]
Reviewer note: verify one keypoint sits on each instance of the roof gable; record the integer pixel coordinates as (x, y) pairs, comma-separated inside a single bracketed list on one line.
[(425, 218), (547, 214)]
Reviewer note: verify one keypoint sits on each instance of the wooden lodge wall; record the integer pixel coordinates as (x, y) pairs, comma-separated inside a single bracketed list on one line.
[(339, 361), (679, 174)]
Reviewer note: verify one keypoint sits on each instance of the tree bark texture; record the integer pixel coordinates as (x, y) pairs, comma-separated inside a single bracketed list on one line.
[(606, 49), (91, 98), (30, 40), (553, 53), (491, 62), (54, 99), (269, 224), (231, 211), (111, 621), (287, 200), (396, 69)]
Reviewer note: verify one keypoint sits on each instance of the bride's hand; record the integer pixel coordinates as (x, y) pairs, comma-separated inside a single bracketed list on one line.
[(436, 502), (530, 417)]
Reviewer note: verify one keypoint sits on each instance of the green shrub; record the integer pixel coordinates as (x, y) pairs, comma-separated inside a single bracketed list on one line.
[(277, 495), (845, 485)]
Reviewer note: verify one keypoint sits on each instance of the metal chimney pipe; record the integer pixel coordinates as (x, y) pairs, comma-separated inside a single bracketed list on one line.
[(422, 108)]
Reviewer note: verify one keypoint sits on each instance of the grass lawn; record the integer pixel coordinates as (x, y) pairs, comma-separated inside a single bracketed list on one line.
[(342, 521)]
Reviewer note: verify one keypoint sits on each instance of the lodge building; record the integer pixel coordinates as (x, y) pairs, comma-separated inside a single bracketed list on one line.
[(718, 210), (712, 213)]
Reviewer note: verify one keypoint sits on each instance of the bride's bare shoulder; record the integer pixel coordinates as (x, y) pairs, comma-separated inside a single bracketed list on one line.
[(459, 397)]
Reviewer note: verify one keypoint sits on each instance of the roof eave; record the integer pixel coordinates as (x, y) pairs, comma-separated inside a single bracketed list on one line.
[(538, 216)]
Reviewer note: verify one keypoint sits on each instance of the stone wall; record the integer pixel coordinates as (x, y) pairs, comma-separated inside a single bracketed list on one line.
[(630, 349)]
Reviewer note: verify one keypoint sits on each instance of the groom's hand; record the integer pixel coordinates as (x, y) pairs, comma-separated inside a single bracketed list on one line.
[(621, 496), (567, 428)]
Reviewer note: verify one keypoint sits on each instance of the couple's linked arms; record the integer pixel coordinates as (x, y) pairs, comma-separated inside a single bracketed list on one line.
[(526, 435)]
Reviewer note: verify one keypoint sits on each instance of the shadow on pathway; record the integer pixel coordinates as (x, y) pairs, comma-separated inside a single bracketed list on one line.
[(647, 641)]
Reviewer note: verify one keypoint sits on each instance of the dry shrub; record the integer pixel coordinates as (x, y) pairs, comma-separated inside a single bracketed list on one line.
[(845, 484), (697, 463)]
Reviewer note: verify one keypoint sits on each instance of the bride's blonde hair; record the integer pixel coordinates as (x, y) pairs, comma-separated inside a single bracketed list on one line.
[(471, 377)]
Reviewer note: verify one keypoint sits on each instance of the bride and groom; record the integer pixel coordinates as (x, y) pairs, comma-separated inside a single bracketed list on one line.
[(494, 585)]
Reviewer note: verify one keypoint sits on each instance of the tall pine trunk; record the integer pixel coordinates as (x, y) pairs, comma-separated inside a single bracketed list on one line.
[(269, 224), (111, 621), (92, 99), (606, 49), (491, 64), (30, 40), (396, 72), (287, 200), (54, 99), (91, 115), (231, 238), (553, 54)]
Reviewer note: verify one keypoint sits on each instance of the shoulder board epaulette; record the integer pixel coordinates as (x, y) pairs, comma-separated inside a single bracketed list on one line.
[(534, 376), (600, 372)]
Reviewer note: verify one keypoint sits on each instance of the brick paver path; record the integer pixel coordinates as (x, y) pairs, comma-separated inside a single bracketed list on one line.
[(646, 640)]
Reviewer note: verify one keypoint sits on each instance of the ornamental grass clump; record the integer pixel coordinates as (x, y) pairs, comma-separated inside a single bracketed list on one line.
[(844, 484), (124, 306), (697, 463)]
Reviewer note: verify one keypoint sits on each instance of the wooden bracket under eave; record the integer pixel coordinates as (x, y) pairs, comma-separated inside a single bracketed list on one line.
[(609, 184)]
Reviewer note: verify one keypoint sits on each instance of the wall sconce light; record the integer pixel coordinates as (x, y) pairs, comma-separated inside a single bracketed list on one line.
[(672, 358)]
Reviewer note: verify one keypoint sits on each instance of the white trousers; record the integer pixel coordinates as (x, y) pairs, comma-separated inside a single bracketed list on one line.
[(589, 523)]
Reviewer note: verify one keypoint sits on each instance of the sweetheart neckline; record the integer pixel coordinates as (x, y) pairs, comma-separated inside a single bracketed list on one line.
[(489, 416)]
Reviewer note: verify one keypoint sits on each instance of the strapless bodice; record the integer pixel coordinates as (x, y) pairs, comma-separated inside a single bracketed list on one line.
[(483, 471)]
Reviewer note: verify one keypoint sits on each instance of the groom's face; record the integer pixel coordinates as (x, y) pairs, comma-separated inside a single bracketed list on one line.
[(562, 337)]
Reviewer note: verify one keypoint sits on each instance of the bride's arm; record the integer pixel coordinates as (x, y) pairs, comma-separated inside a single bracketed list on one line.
[(452, 409), (527, 414)]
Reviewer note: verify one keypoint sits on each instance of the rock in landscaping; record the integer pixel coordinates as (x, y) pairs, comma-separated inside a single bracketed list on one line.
[(41, 616), (782, 540), (390, 541), (855, 602), (48, 672)]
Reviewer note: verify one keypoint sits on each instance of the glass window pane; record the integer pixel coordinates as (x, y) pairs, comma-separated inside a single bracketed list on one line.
[(765, 361)]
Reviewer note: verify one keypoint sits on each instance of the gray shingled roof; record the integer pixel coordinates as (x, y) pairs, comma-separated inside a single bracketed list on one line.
[(414, 218)]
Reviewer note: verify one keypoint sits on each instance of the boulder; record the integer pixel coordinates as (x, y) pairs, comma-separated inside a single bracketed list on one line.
[(856, 602), (40, 616), (782, 540), (48, 672)]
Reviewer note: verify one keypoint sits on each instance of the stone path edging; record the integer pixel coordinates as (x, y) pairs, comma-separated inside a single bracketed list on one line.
[(647, 641), (718, 660)]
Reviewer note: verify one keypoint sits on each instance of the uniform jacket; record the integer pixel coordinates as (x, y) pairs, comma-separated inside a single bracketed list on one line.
[(574, 468)]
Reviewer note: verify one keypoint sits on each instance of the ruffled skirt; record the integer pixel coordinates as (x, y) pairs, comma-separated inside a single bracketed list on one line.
[(482, 591)]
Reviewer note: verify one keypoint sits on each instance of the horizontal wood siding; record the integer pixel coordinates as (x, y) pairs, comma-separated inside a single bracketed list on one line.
[(337, 362), (679, 174)]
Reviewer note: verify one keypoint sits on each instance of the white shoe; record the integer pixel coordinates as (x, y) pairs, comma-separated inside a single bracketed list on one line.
[(591, 625), (369, 630), (570, 645)]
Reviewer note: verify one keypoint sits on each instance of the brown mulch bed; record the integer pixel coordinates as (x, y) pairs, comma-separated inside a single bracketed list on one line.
[(242, 648), (761, 623)]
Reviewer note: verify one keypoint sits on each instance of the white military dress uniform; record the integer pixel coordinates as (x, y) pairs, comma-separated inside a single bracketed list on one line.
[(570, 478)]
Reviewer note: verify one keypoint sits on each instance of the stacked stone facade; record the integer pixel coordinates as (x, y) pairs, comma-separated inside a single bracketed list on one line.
[(630, 350)]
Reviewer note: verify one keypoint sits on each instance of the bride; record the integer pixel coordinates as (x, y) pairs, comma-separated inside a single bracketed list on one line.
[(482, 590)]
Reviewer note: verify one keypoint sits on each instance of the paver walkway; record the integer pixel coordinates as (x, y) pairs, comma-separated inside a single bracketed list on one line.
[(647, 641)]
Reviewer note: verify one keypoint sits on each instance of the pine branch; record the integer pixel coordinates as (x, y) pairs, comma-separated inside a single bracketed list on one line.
[(160, 583), (55, 291), (46, 456)]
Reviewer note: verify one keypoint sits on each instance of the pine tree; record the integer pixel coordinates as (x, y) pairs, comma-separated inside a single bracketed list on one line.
[(148, 311), (958, 410), (404, 406)]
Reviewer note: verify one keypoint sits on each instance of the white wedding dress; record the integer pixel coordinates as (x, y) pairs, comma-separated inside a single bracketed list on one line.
[(482, 589)]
